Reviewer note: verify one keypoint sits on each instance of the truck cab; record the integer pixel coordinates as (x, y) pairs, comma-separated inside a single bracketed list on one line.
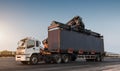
[(28, 50)]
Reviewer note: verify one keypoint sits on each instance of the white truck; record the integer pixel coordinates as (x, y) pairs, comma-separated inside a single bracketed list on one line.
[(27, 51)]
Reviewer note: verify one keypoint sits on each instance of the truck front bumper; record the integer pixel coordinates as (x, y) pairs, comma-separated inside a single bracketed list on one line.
[(22, 58)]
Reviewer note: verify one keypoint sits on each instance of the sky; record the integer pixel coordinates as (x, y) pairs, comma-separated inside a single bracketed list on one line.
[(31, 18)]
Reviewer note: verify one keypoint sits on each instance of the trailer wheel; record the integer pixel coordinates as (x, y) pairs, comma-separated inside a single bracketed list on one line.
[(65, 58), (24, 62), (57, 58), (33, 59)]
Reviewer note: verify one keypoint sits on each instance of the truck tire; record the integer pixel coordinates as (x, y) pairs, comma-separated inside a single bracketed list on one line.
[(24, 62), (57, 58), (33, 59), (65, 58)]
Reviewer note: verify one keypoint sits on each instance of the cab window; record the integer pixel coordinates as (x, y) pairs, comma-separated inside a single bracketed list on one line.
[(31, 43)]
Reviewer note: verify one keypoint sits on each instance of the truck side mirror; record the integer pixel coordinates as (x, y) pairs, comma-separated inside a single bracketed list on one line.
[(38, 43)]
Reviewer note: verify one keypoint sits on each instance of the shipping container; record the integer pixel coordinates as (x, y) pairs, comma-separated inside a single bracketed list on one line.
[(62, 39)]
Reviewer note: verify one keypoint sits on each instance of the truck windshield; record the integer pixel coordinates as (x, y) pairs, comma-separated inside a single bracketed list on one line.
[(22, 43)]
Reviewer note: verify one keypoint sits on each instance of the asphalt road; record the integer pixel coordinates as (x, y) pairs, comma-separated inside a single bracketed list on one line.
[(9, 64)]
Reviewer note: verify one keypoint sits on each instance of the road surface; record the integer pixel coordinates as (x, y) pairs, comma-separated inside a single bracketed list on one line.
[(9, 64)]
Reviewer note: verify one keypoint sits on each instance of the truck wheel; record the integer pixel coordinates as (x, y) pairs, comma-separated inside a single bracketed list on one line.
[(33, 59), (24, 62), (57, 59), (65, 58)]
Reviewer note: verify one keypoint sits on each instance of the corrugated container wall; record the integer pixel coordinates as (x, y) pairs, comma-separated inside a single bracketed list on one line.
[(64, 39)]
